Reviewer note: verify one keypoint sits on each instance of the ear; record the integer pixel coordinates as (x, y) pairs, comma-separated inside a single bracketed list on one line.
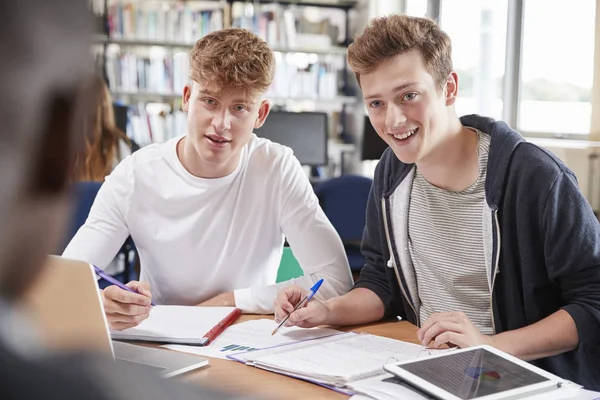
[(263, 111), (451, 88), (187, 93)]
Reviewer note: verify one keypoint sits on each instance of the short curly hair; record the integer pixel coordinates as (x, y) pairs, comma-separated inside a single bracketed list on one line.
[(233, 59), (387, 37)]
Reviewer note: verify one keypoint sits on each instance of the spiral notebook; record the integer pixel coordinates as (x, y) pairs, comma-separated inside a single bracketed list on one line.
[(181, 325)]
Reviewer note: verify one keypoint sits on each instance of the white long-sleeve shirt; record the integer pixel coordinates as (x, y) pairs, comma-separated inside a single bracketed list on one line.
[(199, 237)]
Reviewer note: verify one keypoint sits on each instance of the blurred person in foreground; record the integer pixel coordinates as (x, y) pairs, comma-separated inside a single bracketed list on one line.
[(41, 70)]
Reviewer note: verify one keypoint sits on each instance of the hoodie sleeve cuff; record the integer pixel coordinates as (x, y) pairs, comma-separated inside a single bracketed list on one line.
[(587, 326)]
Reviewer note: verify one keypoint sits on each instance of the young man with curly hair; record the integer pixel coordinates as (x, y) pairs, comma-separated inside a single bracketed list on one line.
[(472, 233), (209, 211)]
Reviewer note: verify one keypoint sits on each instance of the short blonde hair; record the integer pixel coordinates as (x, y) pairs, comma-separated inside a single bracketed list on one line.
[(390, 36), (233, 59)]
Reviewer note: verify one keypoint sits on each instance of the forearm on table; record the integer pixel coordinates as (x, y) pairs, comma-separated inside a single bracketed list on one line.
[(358, 306), (553, 335)]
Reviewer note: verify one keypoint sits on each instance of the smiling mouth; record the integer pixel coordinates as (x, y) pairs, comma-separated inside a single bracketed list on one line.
[(406, 135)]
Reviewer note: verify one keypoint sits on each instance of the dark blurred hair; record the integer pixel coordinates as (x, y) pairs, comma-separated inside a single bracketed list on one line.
[(101, 135)]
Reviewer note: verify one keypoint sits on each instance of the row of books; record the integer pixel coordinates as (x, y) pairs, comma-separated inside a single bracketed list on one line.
[(297, 74), (154, 72), (155, 123), (273, 24), (185, 22), (163, 21), (318, 80), (284, 26)]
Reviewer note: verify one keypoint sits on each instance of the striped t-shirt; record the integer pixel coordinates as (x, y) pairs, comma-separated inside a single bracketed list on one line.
[(445, 242)]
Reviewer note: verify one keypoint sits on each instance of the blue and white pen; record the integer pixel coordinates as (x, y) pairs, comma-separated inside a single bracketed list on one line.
[(309, 295)]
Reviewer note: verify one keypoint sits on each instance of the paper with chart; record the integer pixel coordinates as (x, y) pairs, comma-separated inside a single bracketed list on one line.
[(335, 360), (253, 335), (176, 324)]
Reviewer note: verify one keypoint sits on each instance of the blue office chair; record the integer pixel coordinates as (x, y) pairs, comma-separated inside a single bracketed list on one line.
[(83, 195), (344, 201)]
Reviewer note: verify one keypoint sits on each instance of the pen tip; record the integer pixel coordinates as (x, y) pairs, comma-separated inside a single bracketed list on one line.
[(272, 333)]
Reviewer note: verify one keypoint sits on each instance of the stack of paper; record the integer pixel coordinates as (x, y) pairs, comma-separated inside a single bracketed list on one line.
[(336, 360)]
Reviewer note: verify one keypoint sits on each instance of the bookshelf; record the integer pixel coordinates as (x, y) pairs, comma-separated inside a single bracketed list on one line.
[(143, 46), (125, 42)]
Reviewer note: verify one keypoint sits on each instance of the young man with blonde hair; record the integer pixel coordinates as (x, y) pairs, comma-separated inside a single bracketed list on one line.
[(473, 234), (209, 211)]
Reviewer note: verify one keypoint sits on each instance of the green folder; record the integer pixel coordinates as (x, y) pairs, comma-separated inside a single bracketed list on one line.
[(288, 267)]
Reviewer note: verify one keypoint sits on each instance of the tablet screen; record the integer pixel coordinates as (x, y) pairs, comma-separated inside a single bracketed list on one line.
[(472, 374)]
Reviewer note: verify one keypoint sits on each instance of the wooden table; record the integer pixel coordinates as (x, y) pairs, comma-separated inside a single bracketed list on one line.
[(242, 379)]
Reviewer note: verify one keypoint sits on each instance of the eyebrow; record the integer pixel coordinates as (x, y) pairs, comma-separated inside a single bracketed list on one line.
[(245, 101), (395, 89), (237, 100), (208, 92)]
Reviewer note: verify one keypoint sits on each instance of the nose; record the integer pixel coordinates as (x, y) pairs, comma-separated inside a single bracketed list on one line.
[(222, 121), (394, 117)]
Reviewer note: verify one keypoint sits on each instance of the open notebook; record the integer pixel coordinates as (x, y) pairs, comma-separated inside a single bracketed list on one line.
[(334, 361), (180, 324)]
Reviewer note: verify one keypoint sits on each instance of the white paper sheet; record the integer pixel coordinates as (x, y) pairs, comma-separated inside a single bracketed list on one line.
[(378, 388), (249, 335)]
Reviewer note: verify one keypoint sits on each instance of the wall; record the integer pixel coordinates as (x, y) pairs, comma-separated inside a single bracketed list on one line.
[(578, 156)]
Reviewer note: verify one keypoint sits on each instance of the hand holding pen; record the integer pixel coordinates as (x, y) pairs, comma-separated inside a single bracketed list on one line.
[(127, 305), (286, 296)]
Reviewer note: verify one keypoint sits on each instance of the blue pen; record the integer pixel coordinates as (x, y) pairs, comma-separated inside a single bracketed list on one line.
[(310, 295), (112, 280)]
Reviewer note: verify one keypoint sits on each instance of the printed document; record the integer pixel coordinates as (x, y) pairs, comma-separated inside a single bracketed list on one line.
[(253, 335)]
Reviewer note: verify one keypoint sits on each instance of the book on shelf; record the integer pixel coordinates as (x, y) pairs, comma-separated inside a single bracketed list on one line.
[(164, 21)]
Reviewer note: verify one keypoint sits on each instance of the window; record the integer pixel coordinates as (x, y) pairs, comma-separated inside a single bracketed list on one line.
[(416, 8), (557, 66), (478, 32)]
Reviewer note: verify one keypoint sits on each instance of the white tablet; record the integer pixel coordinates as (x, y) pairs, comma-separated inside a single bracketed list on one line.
[(481, 372)]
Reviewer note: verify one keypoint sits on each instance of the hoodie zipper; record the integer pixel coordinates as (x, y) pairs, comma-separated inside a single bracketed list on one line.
[(393, 261), (495, 269)]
